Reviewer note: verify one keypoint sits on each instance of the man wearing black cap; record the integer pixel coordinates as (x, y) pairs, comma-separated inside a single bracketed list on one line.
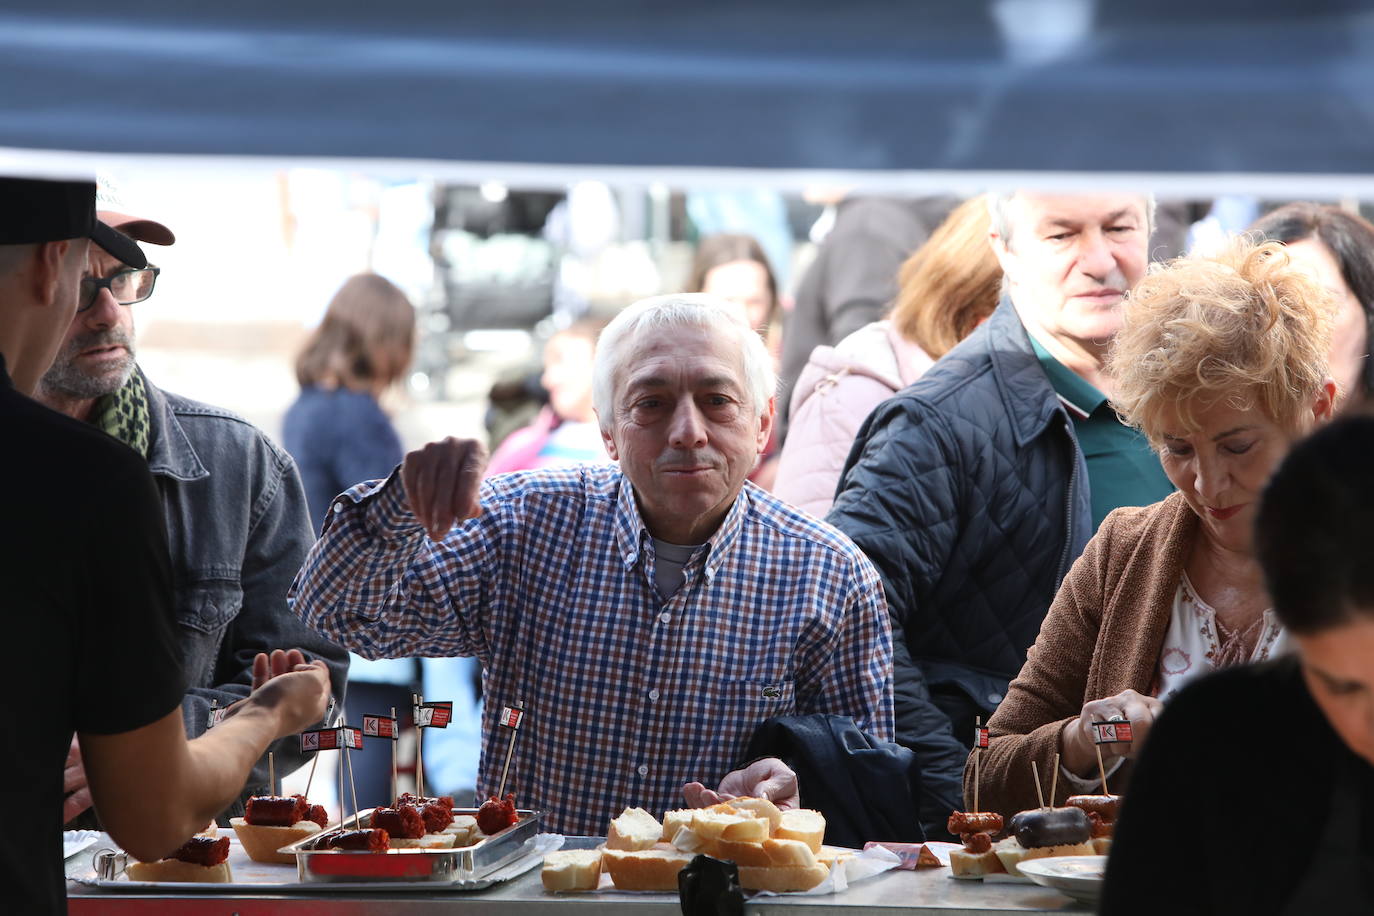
[(238, 527), (86, 588)]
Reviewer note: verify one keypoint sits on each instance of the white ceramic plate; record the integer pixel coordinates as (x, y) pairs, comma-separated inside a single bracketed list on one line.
[(1079, 877), (73, 841)]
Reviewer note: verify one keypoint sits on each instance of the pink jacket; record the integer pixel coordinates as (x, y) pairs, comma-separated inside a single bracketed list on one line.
[(835, 393)]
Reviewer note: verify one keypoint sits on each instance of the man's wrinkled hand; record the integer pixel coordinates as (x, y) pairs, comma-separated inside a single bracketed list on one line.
[(768, 778), (441, 481), (74, 784)]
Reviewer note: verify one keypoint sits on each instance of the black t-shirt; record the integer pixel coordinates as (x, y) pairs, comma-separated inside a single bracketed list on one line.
[(1245, 801), (85, 587)]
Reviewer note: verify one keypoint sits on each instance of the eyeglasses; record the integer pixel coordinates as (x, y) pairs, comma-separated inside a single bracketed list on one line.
[(126, 286)]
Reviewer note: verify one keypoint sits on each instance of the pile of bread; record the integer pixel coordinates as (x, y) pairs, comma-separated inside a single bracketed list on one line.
[(774, 850)]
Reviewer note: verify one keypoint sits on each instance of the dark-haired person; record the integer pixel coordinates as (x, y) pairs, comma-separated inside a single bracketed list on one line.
[(1255, 793), (88, 591), (1337, 247), (232, 503)]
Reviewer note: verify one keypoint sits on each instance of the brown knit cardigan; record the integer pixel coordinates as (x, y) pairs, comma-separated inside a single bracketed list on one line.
[(1103, 633)]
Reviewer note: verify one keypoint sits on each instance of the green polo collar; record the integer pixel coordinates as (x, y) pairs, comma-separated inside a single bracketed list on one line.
[(1078, 396)]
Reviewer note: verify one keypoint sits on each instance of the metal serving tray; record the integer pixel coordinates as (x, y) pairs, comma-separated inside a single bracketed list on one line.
[(435, 866)]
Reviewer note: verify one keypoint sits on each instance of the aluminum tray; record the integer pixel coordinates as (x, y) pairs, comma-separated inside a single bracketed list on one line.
[(432, 866)]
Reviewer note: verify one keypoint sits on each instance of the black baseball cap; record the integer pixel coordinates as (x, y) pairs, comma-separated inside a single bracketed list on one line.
[(38, 210)]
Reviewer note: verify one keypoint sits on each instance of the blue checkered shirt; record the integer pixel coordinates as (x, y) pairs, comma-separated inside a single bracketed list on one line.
[(628, 695)]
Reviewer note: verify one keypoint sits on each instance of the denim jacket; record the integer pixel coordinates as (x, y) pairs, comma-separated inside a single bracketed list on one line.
[(238, 530)]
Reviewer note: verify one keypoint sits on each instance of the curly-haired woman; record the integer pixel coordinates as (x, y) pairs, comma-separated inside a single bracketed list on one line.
[(1222, 363)]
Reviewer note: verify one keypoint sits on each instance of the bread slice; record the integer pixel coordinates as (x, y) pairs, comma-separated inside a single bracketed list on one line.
[(789, 853), (261, 843), (634, 829), (802, 824), (732, 826), (463, 828), (673, 821), (725, 807), (760, 807), (1011, 852), (572, 870), (687, 840), (781, 879), (177, 870), (1102, 845), (828, 855), (645, 869), (743, 853), (973, 865)]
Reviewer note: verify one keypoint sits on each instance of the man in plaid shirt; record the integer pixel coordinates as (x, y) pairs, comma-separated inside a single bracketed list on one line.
[(647, 617)]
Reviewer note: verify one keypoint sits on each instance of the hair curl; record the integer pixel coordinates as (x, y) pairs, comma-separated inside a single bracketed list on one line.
[(1244, 326)]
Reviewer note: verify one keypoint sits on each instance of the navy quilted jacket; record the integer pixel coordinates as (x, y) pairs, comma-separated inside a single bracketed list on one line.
[(969, 493)]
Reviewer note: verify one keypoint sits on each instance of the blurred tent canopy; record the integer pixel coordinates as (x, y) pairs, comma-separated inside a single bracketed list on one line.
[(1129, 86)]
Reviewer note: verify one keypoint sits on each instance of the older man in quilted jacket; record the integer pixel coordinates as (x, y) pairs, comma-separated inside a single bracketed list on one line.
[(973, 489)]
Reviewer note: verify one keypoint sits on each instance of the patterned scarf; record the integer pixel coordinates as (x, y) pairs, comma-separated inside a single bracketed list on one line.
[(125, 414)]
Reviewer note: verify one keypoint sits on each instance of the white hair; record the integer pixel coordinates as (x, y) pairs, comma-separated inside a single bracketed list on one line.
[(664, 313), (998, 201)]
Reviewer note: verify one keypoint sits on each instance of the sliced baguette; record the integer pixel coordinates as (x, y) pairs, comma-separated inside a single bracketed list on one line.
[(743, 853), (461, 838), (789, 853), (261, 843), (781, 879), (829, 855), (634, 829), (463, 828), (802, 824), (572, 870), (1012, 853), (973, 865), (732, 826), (759, 807), (645, 869), (177, 870), (725, 807), (686, 840), (673, 821)]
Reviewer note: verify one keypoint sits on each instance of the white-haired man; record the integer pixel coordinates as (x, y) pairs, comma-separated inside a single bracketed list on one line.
[(975, 488), (647, 616)]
